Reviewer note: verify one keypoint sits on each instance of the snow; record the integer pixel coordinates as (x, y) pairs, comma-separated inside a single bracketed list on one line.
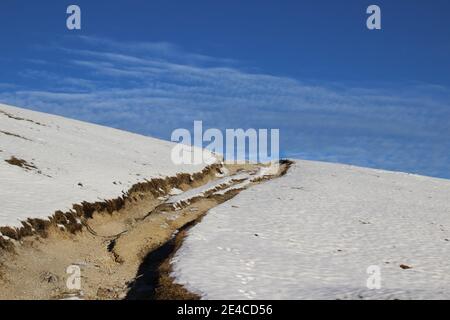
[(237, 186), (180, 197), (175, 191), (71, 161), (263, 172), (313, 233)]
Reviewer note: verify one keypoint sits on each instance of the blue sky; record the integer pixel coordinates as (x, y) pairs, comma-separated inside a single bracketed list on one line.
[(337, 91)]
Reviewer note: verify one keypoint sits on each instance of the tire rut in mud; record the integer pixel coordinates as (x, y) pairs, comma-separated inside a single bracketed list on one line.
[(153, 280), (123, 253)]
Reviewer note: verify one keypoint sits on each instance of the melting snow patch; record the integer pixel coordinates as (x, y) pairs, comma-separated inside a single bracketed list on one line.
[(175, 191)]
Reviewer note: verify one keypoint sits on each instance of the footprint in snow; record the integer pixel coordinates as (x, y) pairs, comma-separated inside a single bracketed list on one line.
[(245, 279), (250, 294), (249, 265)]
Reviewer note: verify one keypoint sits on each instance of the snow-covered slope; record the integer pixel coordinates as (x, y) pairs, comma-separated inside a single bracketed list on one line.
[(314, 232), (55, 162)]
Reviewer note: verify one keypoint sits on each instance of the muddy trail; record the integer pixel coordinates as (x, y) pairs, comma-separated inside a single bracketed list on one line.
[(123, 252)]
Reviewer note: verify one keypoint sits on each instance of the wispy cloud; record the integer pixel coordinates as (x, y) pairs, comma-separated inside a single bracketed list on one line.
[(153, 88)]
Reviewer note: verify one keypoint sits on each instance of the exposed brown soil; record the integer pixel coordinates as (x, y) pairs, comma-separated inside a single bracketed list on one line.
[(154, 275), (138, 195), (153, 280), (110, 241), (20, 163)]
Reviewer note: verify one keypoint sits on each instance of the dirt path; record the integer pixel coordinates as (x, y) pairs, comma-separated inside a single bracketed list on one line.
[(122, 254)]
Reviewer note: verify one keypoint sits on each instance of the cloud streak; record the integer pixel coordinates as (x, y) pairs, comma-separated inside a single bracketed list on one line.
[(153, 88)]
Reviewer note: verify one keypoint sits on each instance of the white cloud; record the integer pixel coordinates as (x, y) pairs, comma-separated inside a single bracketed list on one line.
[(153, 88)]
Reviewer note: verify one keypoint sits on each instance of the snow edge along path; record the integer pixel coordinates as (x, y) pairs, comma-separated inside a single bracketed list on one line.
[(69, 162), (313, 233)]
